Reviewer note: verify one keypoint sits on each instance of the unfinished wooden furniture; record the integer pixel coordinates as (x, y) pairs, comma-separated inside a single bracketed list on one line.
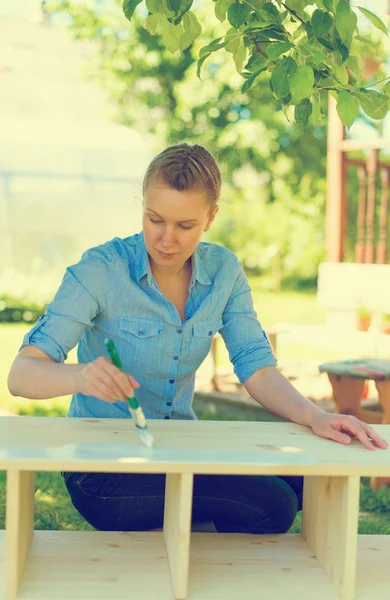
[(328, 560)]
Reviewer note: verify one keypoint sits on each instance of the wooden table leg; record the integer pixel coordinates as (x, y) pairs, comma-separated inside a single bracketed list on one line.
[(177, 529), (383, 388), (347, 393), (19, 527), (330, 527)]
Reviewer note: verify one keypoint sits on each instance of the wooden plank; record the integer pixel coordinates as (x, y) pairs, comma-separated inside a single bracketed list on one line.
[(103, 565), (231, 566), (177, 529), (335, 187), (330, 527), (78, 565), (373, 567), (221, 447), (19, 527)]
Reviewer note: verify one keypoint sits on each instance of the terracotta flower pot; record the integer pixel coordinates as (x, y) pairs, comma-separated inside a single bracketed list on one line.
[(364, 323)]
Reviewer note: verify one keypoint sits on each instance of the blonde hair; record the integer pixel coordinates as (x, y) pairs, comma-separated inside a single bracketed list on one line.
[(185, 167)]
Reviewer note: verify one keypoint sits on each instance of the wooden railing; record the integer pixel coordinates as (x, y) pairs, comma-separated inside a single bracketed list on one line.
[(371, 238), (370, 249)]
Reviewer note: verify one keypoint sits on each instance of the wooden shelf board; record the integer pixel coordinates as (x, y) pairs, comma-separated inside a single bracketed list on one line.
[(113, 445), (79, 565)]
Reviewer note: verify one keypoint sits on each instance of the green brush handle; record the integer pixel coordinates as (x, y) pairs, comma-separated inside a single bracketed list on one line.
[(112, 351)]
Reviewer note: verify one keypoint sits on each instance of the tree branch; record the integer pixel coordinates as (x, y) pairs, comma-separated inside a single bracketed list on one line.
[(291, 11)]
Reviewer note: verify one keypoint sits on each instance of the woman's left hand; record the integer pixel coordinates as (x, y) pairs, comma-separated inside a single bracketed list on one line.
[(342, 428)]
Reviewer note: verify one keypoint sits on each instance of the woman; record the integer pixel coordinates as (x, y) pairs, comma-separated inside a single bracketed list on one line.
[(162, 295)]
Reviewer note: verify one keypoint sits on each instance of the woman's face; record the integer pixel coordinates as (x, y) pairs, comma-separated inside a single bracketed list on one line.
[(173, 223)]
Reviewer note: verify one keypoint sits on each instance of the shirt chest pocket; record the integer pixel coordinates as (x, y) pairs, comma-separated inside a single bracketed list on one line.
[(201, 337), (144, 338)]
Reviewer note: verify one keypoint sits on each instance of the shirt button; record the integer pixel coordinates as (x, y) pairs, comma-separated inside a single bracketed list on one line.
[(171, 381), (175, 358), (166, 417), (169, 403), (140, 332), (180, 330), (210, 333)]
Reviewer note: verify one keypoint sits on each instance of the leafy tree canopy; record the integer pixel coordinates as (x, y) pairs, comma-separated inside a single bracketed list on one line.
[(306, 48)]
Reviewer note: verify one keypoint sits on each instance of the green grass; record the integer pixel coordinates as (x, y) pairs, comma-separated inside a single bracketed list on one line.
[(287, 306)]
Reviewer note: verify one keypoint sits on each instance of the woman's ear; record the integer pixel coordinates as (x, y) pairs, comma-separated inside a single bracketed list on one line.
[(211, 218)]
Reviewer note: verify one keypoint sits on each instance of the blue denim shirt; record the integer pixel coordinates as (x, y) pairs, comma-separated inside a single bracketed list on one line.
[(112, 293)]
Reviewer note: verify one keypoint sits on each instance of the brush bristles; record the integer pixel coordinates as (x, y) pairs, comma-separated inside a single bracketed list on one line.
[(146, 437)]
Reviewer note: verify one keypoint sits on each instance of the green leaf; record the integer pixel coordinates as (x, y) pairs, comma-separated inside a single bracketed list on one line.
[(238, 14), (321, 22), (275, 49), (273, 32), (341, 74), (347, 108), (152, 22), (329, 4), (191, 28), (174, 5), (353, 63), (302, 112), (212, 47), (256, 62), (344, 52), (171, 35), (239, 57), (346, 21), (232, 39), (154, 6), (256, 25), (326, 43), (129, 7), (205, 52), (221, 8), (281, 76), (271, 10), (387, 89), (317, 116), (374, 104), (376, 21), (166, 10), (302, 83), (316, 54), (250, 81)]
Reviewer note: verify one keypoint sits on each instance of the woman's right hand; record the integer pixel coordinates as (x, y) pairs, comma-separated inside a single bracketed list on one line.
[(101, 378)]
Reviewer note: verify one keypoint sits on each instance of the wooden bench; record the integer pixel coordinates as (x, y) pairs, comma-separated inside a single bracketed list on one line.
[(328, 561)]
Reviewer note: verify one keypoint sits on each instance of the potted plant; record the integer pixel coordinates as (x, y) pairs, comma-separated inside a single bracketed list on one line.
[(364, 318), (386, 323)]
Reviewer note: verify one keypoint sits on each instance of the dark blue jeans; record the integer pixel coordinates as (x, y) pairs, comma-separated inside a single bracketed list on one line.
[(235, 503)]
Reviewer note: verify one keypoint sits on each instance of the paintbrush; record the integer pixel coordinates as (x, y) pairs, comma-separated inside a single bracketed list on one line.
[(135, 409)]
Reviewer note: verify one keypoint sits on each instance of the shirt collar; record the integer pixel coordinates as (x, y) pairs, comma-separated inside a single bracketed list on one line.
[(142, 266), (199, 272)]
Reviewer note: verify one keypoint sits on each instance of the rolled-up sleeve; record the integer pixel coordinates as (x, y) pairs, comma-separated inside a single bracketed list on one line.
[(79, 299), (245, 339)]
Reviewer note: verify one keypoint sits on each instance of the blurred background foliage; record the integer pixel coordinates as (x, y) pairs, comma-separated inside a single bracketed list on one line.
[(272, 205)]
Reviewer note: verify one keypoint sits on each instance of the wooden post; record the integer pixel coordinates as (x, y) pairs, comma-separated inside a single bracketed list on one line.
[(372, 165), (381, 255), (330, 519), (335, 187), (360, 245), (19, 527), (177, 529)]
